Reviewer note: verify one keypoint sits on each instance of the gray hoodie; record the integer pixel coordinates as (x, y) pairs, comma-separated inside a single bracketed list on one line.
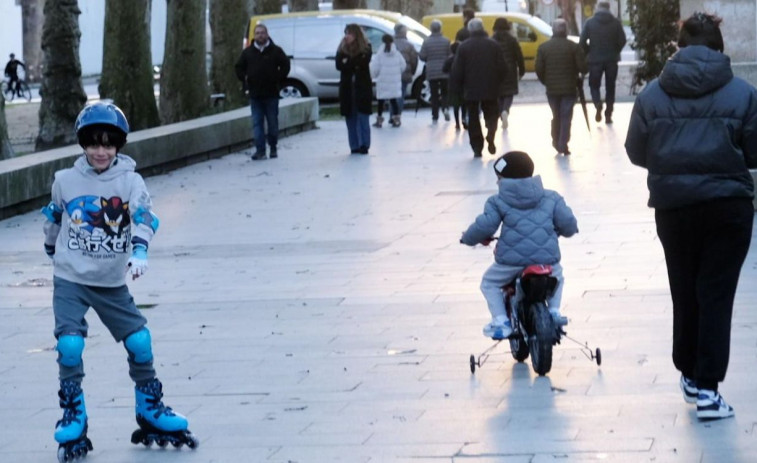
[(102, 215)]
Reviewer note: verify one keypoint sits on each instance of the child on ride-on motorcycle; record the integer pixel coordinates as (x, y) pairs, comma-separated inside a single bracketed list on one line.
[(531, 219)]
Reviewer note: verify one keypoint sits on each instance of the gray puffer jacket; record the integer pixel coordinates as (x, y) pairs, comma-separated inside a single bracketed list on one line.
[(531, 218), (695, 131)]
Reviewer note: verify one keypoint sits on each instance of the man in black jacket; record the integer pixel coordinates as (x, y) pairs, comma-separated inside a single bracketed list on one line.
[(263, 66), (602, 39), (477, 71)]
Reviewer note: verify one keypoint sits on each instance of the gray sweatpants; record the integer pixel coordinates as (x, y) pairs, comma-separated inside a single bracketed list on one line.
[(116, 309), (498, 275)]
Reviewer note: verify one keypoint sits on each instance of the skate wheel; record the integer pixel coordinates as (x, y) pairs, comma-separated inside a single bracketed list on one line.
[(192, 441), (146, 441), (161, 443), (472, 363), (598, 355), (62, 458)]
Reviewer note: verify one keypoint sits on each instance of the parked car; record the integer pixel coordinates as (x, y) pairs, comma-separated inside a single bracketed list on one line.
[(311, 39), (529, 30)]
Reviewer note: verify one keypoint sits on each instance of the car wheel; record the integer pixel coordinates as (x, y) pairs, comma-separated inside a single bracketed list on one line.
[(293, 89)]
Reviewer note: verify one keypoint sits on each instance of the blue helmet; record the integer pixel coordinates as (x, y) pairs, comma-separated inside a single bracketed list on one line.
[(102, 113)]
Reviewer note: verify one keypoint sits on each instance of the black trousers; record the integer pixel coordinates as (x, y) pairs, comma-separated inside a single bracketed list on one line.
[(705, 246), (490, 110), (610, 70), (438, 96)]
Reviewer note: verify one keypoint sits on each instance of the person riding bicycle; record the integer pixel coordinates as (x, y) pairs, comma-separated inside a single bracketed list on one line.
[(11, 71), (531, 220)]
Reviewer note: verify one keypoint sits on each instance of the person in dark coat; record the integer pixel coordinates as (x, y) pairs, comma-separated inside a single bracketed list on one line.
[(477, 71), (602, 40), (454, 98), (463, 34), (353, 60), (559, 63), (695, 131), (516, 67), (263, 66)]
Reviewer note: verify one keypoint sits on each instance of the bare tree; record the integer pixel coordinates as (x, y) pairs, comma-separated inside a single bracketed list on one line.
[(32, 18), (61, 90), (348, 4), (127, 77), (6, 150), (228, 22), (414, 8), (184, 79), (303, 5), (267, 6)]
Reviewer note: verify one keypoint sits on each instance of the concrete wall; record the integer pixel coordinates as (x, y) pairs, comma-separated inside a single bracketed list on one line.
[(739, 26), (25, 181)]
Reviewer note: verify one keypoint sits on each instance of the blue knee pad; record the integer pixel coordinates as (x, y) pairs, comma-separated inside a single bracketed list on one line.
[(70, 348), (139, 346)]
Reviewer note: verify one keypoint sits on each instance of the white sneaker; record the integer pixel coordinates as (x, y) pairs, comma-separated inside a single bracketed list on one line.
[(689, 389), (712, 406), (498, 331), (503, 116)]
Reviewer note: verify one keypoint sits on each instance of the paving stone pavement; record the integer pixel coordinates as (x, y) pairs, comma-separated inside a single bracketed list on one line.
[(318, 308)]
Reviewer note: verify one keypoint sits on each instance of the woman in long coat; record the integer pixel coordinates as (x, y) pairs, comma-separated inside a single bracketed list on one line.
[(353, 59)]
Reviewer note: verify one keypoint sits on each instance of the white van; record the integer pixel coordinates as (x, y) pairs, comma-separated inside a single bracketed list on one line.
[(311, 39)]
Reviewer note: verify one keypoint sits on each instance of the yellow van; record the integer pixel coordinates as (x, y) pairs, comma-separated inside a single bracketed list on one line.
[(529, 30)]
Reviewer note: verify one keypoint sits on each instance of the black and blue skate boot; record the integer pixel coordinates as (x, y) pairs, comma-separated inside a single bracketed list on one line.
[(158, 423), (71, 430)]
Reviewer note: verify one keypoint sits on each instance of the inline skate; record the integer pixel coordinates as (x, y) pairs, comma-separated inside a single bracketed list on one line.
[(71, 430), (158, 423)]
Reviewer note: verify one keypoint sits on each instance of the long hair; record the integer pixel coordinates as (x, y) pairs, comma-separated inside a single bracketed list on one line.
[(359, 45), (388, 40)]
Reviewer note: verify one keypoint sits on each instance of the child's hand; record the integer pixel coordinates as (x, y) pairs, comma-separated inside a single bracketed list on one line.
[(487, 241), (138, 261)]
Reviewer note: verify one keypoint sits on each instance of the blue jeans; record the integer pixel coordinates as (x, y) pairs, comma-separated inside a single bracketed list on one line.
[(265, 110), (562, 116), (358, 131)]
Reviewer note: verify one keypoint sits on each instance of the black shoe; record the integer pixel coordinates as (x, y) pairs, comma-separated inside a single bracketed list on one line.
[(259, 155), (465, 126), (608, 118), (273, 153), (477, 154), (490, 142), (598, 117), (363, 150)]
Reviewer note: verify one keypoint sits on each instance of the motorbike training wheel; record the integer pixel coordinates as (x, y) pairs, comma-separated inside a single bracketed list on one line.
[(541, 337), (519, 348), (598, 356), (472, 363)]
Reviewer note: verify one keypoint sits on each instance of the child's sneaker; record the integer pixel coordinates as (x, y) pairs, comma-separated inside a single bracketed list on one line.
[(689, 389), (712, 406), (498, 330)]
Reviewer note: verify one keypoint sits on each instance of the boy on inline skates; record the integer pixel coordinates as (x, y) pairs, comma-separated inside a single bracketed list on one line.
[(99, 226), (531, 219)]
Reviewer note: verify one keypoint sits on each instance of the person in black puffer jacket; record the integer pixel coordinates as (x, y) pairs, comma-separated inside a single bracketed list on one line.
[(602, 39), (262, 67), (516, 67), (695, 131)]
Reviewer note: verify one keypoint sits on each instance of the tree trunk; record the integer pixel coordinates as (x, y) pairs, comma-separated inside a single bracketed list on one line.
[(127, 76), (228, 22), (61, 90), (568, 10), (303, 5), (416, 9), (6, 151), (32, 18), (348, 4), (267, 6), (184, 77)]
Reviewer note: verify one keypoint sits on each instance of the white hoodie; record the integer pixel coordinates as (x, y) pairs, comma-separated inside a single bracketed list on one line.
[(102, 215), (386, 70)]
